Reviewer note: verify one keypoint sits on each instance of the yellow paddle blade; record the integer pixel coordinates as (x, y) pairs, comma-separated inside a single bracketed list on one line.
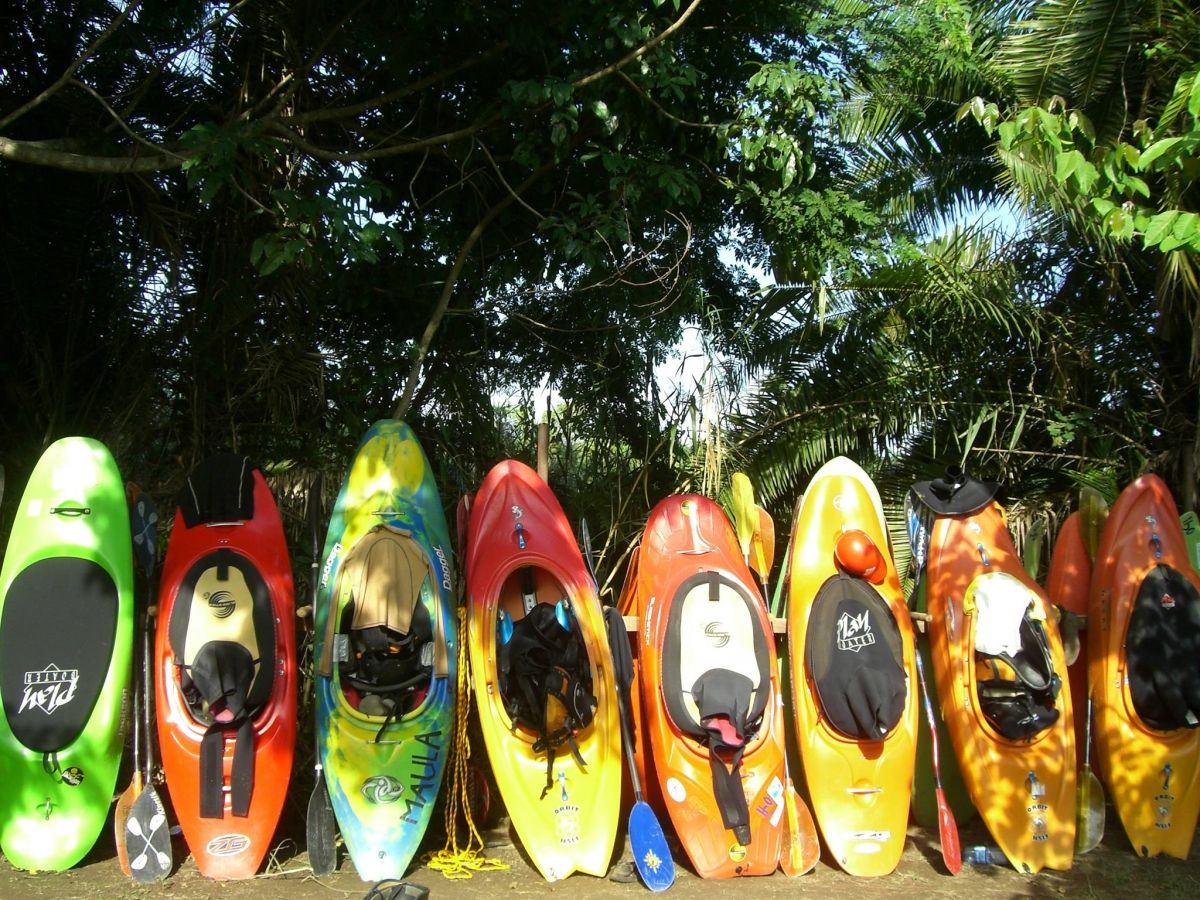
[(744, 515), (762, 544), (1093, 511)]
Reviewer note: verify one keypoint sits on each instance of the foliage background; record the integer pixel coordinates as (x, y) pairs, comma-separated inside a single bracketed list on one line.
[(262, 225)]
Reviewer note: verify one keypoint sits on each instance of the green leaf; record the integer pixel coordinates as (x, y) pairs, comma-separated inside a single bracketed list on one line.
[(1160, 227), (1155, 150), (1065, 164)]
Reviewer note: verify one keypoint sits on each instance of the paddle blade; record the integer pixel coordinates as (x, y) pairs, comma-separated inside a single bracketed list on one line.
[(651, 854), (948, 834), (148, 837), (321, 829), (121, 816), (1089, 814), (143, 526), (1191, 533), (762, 544), (801, 848), (1093, 511), (744, 516)]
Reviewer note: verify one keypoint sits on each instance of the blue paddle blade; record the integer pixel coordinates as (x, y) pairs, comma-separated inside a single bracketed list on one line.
[(651, 854)]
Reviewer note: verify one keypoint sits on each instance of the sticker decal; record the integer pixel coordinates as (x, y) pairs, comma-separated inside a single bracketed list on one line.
[(854, 632), (222, 604), (675, 790), (382, 789), (718, 633), (49, 689), (1037, 809), (1164, 801), (73, 776), (228, 845), (737, 852), (775, 793)]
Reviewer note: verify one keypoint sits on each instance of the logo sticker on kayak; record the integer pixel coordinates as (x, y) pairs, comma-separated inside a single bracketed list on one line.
[(717, 632), (382, 789), (49, 689), (854, 632), (222, 604), (228, 845)]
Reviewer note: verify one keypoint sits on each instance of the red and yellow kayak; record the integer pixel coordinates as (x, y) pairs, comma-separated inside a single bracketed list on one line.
[(707, 676), (855, 700), (1142, 570), (225, 652), (1024, 788), (524, 573)]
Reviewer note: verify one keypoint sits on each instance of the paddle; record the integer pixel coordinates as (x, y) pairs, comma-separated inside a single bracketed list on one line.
[(947, 827), (1089, 813), (651, 854), (1189, 522), (777, 600), (125, 801), (320, 823), (918, 536), (741, 494), (762, 546), (146, 826)]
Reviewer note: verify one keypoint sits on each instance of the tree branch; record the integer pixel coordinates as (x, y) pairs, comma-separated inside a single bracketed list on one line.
[(40, 154), (464, 252), (72, 68), (639, 52)]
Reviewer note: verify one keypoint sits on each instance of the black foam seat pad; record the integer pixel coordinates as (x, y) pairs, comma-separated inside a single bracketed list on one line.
[(713, 625), (220, 489), (222, 632), (855, 659), (1162, 649), (57, 636)]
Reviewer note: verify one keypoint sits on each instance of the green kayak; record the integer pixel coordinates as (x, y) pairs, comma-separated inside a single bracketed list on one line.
[(66, 635)]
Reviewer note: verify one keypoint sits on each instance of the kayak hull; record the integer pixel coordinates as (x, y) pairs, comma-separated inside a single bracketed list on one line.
[(859, 789), (689, 537), (1068, 585), (383, 777), (1024, 790), (517, 526), (1153, 776), (230, 846), (71, 528)]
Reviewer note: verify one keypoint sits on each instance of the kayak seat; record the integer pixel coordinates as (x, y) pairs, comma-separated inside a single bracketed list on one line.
[(1014, 674), (855, 658), (545, 680), (384, 639), (222, 635), (56, 643), (1162, 649), (717, 681)]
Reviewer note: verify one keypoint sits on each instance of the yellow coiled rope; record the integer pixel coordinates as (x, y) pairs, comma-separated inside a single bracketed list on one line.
[(453, 861)]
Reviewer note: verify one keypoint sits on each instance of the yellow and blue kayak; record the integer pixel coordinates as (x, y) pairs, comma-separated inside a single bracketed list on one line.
[(384, 652)]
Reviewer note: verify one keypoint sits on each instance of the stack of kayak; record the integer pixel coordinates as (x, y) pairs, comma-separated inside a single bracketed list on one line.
[(680, 688)]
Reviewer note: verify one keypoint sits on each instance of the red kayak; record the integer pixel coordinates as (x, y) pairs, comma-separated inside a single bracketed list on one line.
[(225, 652), (1067, 584)]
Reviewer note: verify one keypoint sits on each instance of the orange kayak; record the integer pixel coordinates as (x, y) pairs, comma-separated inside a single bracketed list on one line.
[(709, 687), (1147, 744), (855, 698), (1013, 736), (1068, 585), (226, 675)]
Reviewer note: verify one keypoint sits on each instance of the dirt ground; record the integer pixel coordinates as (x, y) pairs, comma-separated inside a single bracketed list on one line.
[(1111, 870)]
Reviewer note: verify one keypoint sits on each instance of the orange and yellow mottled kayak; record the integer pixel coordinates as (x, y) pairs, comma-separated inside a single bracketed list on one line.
[(1019, 771), (855, 701), (1143, 588), (708, 684), (1068, 585), (543, 675)]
